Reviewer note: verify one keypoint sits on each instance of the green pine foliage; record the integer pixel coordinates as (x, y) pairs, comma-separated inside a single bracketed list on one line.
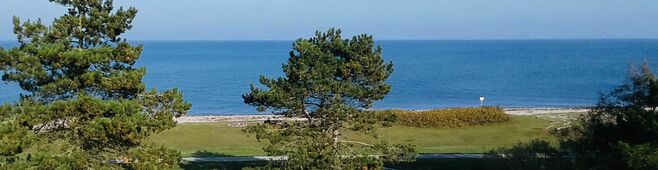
[(86, 106), (620, 132), (328, 82), (457, 117)]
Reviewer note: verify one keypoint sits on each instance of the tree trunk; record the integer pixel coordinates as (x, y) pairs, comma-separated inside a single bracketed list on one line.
[(334, 146)]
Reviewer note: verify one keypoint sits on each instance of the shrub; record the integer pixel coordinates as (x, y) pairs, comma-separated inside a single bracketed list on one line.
[(451, 117), (386, 117), (536, 154)]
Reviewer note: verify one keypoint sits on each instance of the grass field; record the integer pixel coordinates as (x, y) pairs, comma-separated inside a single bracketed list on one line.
[(219, 139)]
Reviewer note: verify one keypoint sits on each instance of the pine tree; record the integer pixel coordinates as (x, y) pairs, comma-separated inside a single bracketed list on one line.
[(621, 132), (86, 105), (328, 81)]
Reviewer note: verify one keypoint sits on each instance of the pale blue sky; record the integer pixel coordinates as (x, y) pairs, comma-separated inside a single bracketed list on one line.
[(385, 19)]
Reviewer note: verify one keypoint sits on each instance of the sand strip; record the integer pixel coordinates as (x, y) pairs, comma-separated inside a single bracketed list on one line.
[(253, 117)]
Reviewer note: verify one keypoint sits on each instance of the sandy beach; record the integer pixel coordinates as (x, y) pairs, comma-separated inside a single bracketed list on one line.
[(263, 117)]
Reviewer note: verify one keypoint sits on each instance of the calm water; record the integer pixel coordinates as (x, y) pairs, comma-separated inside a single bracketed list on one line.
[(428, 74)]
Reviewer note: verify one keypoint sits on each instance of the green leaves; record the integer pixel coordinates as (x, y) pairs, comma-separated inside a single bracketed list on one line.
[(84, 94), (56, 72), (350, 71), (621, 132), (623, 123), (10, 131), (328, 81), (151, 157)]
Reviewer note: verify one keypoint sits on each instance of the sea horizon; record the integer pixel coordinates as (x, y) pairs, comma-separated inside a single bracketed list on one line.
[(428, 74)]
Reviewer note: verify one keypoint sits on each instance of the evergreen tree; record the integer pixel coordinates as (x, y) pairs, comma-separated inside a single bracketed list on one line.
[(621, 132), (328, 82), (86, 105)]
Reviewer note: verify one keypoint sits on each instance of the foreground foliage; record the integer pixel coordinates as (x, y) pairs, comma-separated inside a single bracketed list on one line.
[(328, 81), (419, 164), (621, 132), (451, 117), (536, 154), (86, 106)]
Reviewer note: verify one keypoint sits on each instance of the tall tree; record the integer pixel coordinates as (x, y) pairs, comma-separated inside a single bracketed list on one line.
[(328, 81), (86, 105)]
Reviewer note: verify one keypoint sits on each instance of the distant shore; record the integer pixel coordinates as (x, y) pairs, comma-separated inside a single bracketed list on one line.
[(263, 117)]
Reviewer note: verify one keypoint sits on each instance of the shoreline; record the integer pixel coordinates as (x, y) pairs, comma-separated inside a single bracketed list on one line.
[(263, 117)]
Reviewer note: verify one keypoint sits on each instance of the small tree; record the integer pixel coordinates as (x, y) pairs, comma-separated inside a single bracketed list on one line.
[(328, 82), (86, 106)]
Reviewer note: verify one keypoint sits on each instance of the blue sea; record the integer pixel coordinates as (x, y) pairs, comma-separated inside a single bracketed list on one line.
[(428, 74)]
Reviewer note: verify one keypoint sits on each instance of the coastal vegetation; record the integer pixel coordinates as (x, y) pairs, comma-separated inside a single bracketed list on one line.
[(86, 105), (328, 81), (457, 117), (621, 132)]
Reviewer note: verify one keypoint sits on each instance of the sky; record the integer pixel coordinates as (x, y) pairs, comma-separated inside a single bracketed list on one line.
[(384, 19)]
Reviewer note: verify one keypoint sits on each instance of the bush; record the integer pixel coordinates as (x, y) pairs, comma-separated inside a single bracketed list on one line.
[(386, 117), (620, 132), (536, 154), (451, 117)]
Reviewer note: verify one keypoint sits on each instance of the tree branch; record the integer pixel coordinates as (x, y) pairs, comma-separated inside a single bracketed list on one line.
[(357, 142)]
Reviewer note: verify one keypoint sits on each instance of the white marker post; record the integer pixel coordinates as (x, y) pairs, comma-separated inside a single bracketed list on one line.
[(481, 100)]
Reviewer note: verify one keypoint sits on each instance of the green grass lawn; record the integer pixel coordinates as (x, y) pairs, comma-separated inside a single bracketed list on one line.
[(218, 139)]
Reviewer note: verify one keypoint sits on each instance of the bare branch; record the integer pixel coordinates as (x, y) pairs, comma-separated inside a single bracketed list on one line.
[(357, 142)]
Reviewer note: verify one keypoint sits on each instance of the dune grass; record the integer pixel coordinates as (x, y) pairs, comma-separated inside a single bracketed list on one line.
[(219, 139)]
